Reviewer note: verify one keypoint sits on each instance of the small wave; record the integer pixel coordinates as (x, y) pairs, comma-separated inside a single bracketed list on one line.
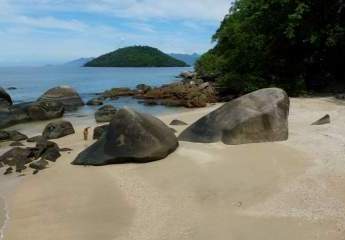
[(6, 218)]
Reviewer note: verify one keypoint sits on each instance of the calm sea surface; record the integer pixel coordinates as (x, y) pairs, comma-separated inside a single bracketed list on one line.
[(32, 82)]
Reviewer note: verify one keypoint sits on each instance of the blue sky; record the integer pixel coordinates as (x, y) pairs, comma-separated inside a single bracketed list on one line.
[(52, 31)]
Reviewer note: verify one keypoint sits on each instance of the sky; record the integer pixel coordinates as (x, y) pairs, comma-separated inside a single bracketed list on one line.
[(54, 31)]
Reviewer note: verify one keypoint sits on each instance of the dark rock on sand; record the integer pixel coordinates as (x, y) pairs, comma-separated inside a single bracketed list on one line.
[(261, 116), (15, 155), (39, 164), (324, 120), (44, 146), (9, 170), (4, 136), (46, 110), (95, 102), (177, 122), (51, 154), (98, 131), (65, 149), (58, 129), (131, 137), (5, 99), (105, 113), (13, 115), (17, 136), (64, 94)]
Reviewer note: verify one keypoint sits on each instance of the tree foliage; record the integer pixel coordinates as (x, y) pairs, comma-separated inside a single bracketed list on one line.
[(294, 44), (136, 56)]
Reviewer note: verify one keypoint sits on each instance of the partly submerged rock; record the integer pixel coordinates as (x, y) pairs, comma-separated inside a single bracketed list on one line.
[(105, 113), (324, 120), (95, 101), (130, 137), (58, 129), (64, 94), (261, 116), (5, 99)]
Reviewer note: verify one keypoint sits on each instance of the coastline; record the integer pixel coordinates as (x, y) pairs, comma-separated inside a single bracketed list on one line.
[(291, 189)]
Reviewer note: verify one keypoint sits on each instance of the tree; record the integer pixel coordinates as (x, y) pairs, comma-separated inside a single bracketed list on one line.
[(294, 44)]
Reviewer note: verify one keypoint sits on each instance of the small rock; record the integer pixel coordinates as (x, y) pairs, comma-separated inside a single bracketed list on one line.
[(35, 171), (65, 149), (16, 144), (58, 129), (39, 164), (324, 120), (9, 170), (95, 102), (177, 122), (51, 154), (36, 139), (17, 136)]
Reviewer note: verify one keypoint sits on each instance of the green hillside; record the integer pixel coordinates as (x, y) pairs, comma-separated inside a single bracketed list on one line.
[(136, 56)]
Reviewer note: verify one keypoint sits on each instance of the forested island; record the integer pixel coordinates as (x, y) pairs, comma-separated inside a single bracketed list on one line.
[(136, 56)]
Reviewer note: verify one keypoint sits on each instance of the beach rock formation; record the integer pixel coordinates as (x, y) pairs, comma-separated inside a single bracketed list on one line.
[(324, 120), (45, 110), (64, 94), (36, 139), (180, 95), (131, 137), (58, 129), (39, 164), (177, 122), (114, 93), (12, 136), (5, 99), (105, 113), (98, 131), (260, 116)]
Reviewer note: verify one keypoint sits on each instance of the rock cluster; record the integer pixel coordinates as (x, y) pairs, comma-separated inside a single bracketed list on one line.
[(50, 105), (20, 158)]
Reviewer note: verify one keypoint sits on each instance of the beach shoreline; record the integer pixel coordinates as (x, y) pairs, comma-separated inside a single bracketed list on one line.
[(291, 189)]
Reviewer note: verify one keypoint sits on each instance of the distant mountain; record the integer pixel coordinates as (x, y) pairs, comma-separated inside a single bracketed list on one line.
[(190, 59), (136, 56), (78, 62)]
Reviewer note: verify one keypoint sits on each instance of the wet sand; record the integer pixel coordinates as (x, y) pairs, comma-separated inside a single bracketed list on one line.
[(286, 190)]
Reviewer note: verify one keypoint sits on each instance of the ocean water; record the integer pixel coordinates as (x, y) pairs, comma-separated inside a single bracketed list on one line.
[(32, 82)]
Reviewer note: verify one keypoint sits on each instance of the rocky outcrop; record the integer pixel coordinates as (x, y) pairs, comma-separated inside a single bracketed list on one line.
[(130, 137), (118, 92), (180, 94), (261, 116), (58, 129), (98, 131), (324, 120), (105, 113), (64, 94), (5, 99)]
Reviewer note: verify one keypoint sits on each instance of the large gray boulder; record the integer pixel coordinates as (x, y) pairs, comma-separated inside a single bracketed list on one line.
[(130, 137), (64, 94), (5, 99), (260, 116), (45, 110), (58, 129)]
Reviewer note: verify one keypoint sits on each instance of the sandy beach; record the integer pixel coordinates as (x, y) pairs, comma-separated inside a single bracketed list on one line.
[(284, 190)]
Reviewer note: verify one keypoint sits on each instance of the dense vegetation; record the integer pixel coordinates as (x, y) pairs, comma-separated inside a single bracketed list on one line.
[(298, 45), (136, 56)]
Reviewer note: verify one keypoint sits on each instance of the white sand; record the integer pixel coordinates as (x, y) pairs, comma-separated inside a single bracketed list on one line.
[(287, 190)]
